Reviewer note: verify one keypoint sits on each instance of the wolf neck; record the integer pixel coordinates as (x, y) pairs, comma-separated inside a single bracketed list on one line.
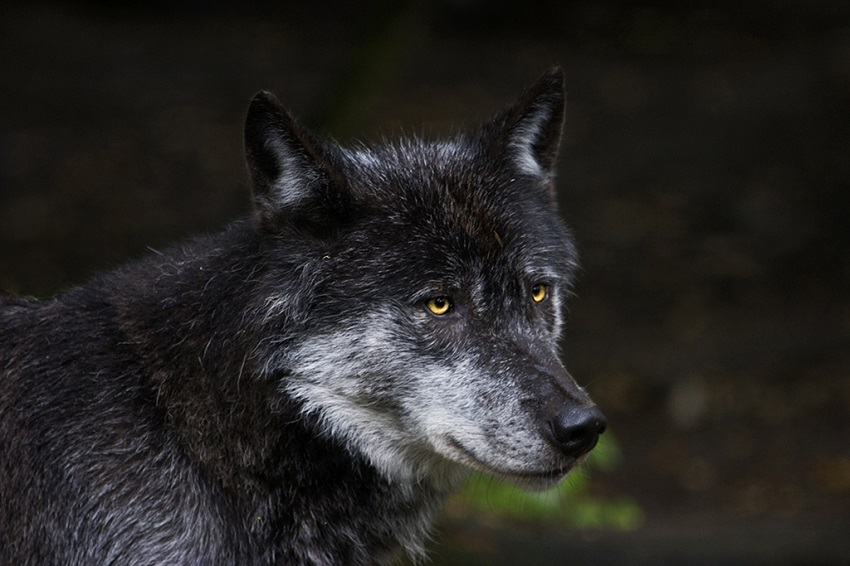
[(280, 468)]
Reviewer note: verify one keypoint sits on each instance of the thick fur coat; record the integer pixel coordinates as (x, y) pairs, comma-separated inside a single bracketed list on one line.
[(307, 386)]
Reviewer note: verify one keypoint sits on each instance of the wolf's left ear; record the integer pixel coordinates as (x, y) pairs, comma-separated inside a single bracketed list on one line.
[(528, 132), (291, 172)]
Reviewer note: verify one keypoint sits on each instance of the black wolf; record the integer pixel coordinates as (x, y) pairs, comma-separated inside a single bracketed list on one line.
[(307, 386)]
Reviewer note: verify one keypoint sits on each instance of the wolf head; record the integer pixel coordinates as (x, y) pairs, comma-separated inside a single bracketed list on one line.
[(413, 292)]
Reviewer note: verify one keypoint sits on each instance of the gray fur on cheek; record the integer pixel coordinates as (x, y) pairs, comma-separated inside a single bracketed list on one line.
[(351, 380)]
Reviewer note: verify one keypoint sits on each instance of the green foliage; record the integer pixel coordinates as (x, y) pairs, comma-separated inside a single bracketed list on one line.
[(569, 503)]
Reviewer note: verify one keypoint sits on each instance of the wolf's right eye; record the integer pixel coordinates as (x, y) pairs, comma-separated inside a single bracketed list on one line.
[(539, 291), (439, 305)]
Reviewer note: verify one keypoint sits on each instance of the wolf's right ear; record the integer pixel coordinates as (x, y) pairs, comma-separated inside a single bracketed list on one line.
[(290, 171), (528, 132)]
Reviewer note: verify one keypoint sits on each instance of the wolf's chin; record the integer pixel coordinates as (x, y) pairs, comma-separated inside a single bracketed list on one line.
[(530, 479)]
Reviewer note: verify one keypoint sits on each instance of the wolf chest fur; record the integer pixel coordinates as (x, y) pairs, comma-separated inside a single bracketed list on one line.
[(308, 385)]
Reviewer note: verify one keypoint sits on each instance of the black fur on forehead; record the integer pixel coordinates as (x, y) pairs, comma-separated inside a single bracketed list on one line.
[(434, 190)]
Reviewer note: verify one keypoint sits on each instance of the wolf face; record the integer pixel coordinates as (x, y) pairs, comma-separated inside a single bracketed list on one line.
[(429, 288)]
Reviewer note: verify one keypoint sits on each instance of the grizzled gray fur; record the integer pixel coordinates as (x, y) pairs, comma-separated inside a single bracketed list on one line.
[(307, 386)]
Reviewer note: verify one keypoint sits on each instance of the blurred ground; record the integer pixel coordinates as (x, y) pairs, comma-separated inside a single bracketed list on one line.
[(704, 171)]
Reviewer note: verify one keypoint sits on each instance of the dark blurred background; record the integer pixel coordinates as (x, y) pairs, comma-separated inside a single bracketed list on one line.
[(704, 171)]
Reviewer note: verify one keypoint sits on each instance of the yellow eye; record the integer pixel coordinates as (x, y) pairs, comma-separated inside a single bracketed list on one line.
[(539, 292), (439, 305)]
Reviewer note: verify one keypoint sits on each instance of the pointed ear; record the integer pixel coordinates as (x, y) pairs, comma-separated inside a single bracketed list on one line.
[(528, 132), (291, 174)]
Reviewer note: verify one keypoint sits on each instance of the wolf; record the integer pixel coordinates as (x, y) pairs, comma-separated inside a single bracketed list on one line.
[(307, 386)]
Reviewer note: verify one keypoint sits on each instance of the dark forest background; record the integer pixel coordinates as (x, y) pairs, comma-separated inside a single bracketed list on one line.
[(704, 171)]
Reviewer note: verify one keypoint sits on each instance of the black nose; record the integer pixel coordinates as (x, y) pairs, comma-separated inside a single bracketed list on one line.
[(576, 430)]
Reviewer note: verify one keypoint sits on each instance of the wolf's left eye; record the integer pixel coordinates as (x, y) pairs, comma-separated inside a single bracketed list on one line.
[(439, 305), (539, 291)]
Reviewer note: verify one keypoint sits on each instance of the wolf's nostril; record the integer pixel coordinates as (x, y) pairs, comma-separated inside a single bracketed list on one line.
[(577, 430)]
